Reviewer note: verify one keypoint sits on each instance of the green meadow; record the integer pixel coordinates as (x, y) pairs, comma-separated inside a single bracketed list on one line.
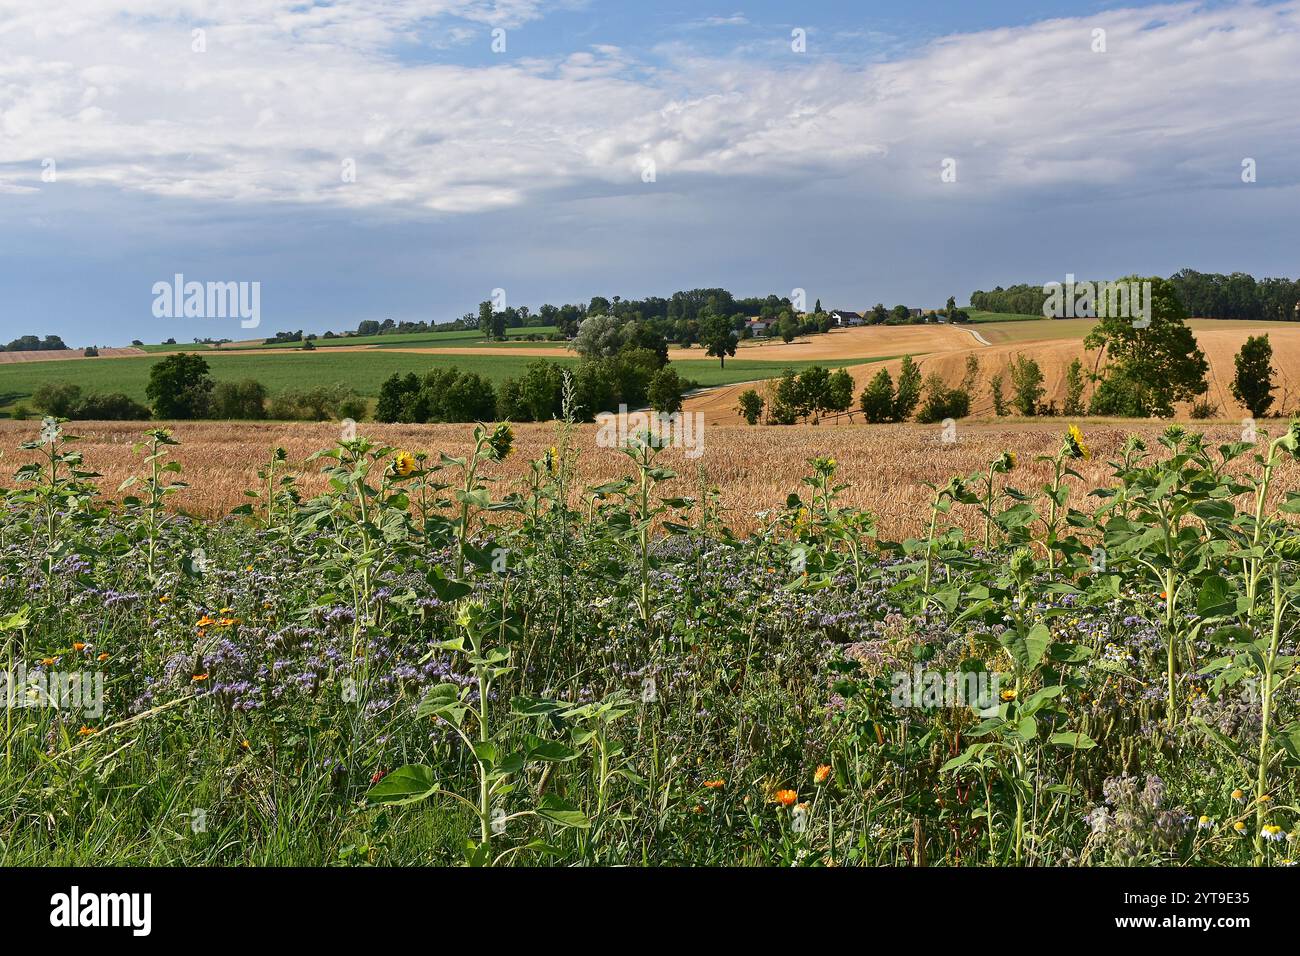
[(364, 371)]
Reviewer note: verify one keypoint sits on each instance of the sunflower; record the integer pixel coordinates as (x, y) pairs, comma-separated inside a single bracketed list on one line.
[(501, 441), (404, 464), (1074, 444)]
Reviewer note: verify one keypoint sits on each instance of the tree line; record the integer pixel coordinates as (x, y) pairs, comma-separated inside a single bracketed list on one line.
[(1206, 295)]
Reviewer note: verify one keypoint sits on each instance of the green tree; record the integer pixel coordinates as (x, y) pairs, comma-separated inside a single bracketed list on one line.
[(1253, 383), (1151, 364), (1026, 385), (750, 406), (814, 390), (995, 392), (839, 391), (718, 338), (665, 392), (909, 390), (180, 387), (877, 399), (788, 328), (1074, 389)]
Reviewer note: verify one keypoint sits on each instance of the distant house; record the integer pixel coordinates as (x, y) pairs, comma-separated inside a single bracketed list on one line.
[(760, 327), (916, 313), (842, 318)]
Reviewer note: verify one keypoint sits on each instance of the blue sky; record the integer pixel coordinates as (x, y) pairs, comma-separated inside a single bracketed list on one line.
[(525, 169)]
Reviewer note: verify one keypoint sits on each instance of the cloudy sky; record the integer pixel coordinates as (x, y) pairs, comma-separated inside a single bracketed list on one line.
[(371, 159)]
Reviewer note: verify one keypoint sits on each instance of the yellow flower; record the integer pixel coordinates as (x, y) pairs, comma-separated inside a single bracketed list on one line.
[(715, 784), (1239, 826), (78, 645), (1074, 444), (102, 657), (822, 773), (85, 731), (205, 621), (1008, 695), (199, 677), (1238, 795), (785, 797), (404, 464)]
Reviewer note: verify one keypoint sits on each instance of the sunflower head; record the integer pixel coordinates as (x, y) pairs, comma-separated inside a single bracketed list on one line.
[(404, 464), (1074, 443), (501, 441)]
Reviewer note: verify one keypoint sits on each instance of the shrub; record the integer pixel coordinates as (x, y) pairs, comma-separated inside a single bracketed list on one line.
[(113, 406), (942, 402), (57, 398), (318, 404), (239, 400)]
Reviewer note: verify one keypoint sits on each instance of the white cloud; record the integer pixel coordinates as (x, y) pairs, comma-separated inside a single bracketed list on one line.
[(286, 92)]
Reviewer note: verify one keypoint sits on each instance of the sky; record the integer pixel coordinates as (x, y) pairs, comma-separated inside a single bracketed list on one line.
[(403, 159)]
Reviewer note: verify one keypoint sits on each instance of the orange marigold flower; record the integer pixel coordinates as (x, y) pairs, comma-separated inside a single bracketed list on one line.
[(199, 677), (49, 661), (786, 797), (822, 773), (102, 657), (715, 784), (78, 645), (85, 731), (205, 621)]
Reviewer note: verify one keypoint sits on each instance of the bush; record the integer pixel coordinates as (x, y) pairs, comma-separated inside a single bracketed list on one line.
[(91, 352), (57, 398), (239, 400), (942, 402), (111, 407), (319, 404), (1204, 409)]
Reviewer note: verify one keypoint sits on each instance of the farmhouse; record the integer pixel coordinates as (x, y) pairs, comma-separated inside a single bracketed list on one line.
[(759, 327), (842, 317)]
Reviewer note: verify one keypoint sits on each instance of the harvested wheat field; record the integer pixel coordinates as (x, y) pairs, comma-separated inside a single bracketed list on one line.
[(63, 355), (887, 467)]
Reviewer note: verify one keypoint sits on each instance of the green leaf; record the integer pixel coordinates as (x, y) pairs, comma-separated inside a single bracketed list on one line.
[(565, 814), (1074, 741), (409, 784)]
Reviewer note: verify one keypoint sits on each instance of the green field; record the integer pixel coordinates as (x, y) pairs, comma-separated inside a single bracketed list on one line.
[(977, 315), (364, 371)]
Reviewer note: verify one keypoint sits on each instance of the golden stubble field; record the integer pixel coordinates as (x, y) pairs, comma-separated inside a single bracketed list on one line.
[(886, 466)]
